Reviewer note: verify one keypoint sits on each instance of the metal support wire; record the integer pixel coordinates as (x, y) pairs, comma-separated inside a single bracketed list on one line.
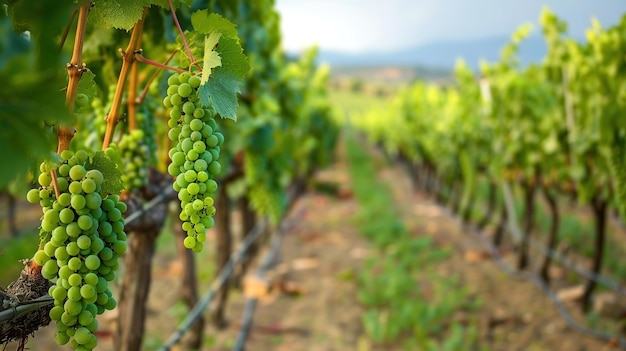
[(216, 285), (164, 196), (268, 261), (545, 289)]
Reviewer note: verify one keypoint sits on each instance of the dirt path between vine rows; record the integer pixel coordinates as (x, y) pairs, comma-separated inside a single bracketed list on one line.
[(318, 311)]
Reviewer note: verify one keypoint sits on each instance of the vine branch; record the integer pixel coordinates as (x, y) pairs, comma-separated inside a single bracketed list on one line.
[(128, 57)]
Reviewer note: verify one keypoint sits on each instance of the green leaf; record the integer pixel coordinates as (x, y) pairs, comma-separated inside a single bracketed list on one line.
[(211, 58), (206, 23), (121, 14), (233, 59), (221, 91), (113, 184), (87, 85)]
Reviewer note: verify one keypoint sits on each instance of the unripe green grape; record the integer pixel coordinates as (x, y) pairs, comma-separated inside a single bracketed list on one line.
[(189, 242), (119, 247), (56, 312), (194, 81), (195, 135), (49, 269), (49, 249), (40, 257), (74, 263), (93, 201), (77, 172), (192, 155), (61, 253), (33, 196), (211, 186), (75, 188), (81, 155), (175, 114), (108, 204), (66, 216), (212, 141), (87, 291), (114, 215), (173, 169), (196, 125), (198, 113), (93, 262), (171, 90), (215, 168), (85, 222), (121, 206), (85, 318), (73, 230), (82, 335), (45, 179), (184, 90), (220, 138), (176, 99), (96, 176), (184, 77), (75, 279)]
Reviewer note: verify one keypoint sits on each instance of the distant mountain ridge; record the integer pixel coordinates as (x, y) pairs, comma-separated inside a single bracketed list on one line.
[(441, 54)]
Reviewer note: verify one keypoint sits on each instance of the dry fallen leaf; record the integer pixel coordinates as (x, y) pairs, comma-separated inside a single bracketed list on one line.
[(255, 287), (475, 256), (301, 264), (570, 293)]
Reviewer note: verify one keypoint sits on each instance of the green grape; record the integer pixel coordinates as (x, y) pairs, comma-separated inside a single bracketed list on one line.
[(41, 257), (194, 81), (184, 90), (92, 262), (55, 313), (77, 172), (33, 196), (49, 269)]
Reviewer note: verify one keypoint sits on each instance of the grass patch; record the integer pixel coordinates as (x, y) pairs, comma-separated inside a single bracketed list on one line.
[(406, 302)]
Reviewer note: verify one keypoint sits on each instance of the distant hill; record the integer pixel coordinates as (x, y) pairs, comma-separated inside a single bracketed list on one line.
[(441, 54)]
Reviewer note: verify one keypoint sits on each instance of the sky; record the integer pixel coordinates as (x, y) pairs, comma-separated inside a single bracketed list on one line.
[(354, 26)]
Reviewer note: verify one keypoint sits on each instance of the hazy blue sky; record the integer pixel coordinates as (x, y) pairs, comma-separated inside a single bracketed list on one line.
[(381, 25)]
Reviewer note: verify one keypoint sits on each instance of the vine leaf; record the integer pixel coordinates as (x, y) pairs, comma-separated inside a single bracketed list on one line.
[(113, 184), (87, 85), (221, 90), (224, 64), (205, 23), (121, 14), (212, 58)]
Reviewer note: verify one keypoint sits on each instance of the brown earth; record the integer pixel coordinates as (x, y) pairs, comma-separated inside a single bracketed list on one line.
[(320, 254)]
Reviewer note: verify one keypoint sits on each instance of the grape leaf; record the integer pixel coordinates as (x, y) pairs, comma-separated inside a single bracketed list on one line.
[(113, 184), (121, 14), (212, 58), (205, 23), (233, 59), (221, 91), (87, 85)]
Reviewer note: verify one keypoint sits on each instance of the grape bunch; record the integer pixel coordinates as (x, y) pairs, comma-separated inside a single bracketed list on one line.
[(82, 232), (146, 121), (135, 154), (194, 156)]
